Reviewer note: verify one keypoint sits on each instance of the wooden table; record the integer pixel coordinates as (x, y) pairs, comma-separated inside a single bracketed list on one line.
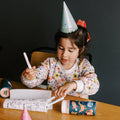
[(103, 111)]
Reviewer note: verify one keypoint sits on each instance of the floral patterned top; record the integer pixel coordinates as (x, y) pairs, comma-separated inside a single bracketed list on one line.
[(82, 73)]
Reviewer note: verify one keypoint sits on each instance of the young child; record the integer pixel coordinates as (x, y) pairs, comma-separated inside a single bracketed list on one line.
[(70, 72)]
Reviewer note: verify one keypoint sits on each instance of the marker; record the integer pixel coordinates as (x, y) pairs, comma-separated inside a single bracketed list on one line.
[(53, 102), (27, 61)]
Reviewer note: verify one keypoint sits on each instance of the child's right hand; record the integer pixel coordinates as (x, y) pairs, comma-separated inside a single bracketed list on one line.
[(30, 74)]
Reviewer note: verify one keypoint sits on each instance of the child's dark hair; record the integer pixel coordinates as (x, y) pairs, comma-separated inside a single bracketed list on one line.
[(79, 38)]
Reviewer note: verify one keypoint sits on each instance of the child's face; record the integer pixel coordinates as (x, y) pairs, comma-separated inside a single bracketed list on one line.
[(67, 52)]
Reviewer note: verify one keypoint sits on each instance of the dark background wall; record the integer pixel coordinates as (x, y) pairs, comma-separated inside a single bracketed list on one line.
[(29, 24)]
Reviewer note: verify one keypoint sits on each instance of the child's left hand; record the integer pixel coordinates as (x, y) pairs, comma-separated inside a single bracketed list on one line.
[(64, 90)]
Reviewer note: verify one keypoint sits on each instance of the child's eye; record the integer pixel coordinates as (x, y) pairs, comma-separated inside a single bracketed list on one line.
[(61, 48), (71, 50)]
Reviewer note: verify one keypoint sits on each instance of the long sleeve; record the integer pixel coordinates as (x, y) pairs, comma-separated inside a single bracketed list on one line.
[(88, 81), (42, 72)]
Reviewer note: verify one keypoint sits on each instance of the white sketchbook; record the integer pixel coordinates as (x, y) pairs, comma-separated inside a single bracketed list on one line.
[(33, 100), (29, 94)]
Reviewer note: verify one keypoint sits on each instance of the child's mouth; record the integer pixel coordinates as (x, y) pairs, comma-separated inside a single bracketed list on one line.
[(64, 60)]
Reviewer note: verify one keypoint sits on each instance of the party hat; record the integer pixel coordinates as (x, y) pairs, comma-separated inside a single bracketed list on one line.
[(68, 22), (25, 115)]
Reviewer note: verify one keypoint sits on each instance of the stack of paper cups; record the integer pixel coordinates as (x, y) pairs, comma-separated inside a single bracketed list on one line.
[(5, 88), (78, 107)]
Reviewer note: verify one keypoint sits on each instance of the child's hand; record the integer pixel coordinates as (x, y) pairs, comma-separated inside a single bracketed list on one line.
[(30, 74), (64, 90)]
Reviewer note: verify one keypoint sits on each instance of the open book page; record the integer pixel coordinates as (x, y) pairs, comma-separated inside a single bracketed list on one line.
[(32, 105), (34, 100), (29, 94)]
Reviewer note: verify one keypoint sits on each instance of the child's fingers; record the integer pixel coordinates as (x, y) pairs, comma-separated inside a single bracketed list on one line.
[(64, 90), (30, 74), (33, 67), (63, 93), (60, 92), (28, 70), (23, 73), (56, 93)]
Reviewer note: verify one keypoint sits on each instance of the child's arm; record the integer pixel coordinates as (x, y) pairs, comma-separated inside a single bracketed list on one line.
[(34, 77), (65, 89), (29, 74), (89, 79), (88, 83)]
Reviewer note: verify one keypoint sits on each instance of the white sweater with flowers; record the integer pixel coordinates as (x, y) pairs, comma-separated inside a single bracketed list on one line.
[(52, 71)]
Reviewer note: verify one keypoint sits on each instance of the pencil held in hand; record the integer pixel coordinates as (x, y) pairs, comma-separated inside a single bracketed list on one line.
[(27, 61)]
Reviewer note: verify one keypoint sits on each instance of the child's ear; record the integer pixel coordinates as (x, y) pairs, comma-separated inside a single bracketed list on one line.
[(82, 50)]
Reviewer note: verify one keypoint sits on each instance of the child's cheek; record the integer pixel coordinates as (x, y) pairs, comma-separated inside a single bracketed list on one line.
[(58, 54), (73, 57)]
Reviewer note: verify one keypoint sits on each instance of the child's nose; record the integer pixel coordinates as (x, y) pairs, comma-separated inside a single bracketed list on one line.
[(64, 53)]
